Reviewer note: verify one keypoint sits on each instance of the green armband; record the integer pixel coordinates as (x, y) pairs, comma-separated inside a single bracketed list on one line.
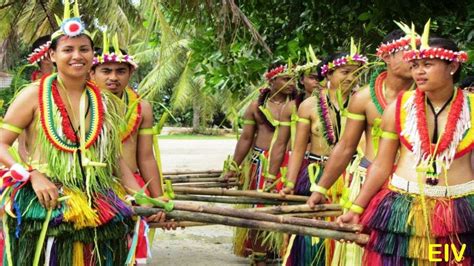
[(357, 209), (11, 128), (248, 122), (320, 189), (285, 124), (389, 135), (289, 184), (304, 120), (354, 116), (146, 131)]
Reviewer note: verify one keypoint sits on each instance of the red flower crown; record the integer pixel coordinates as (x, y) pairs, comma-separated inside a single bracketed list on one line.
[(38, 54), (275, 72), (402, 44), (436, 52)]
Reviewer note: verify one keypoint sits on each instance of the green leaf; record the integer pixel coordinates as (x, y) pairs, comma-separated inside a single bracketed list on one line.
[(364, 16)]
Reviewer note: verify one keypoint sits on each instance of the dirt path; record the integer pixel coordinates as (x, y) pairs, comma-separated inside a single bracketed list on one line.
[(205, 245)]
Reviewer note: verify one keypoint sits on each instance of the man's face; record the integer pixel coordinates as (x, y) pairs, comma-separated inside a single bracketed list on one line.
[(398, 66), (112, 76), (284, 84), (310, 82)]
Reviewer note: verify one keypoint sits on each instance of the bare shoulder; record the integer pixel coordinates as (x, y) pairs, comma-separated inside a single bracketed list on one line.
[(306, 107), (146, 106), (360, 101), (27, 97)]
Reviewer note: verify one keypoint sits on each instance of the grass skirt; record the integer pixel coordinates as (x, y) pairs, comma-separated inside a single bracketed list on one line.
[(401, 231), (245, 240), (306, 250), (76, 235)]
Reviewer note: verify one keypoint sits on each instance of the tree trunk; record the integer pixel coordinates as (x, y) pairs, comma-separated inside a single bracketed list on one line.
[(196, 115)]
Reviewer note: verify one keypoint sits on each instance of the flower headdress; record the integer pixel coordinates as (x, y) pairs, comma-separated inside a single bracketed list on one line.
[(113, 57), (402, 44), (352, 59), (70, 26), (280, 70), (426, 51), (39, 53), (311, 62)]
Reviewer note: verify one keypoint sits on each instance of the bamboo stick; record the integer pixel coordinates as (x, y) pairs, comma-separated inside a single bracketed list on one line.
[(184, 177), (193, 172), (205, 185), (229, 200), (178, 224), (247, 193), (313, 214), (243, 213), (200, 179), (258, 225), (296, 208)]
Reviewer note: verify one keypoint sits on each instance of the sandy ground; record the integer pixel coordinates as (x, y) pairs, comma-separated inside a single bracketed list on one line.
[(204, 245)]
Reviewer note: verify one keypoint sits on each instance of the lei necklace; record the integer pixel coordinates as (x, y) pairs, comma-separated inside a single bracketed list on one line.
[(376, 90), (50, 102), (325, 118), (134, 113), (414, 134)]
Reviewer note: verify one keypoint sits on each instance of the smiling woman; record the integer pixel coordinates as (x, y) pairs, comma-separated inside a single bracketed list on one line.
[(72, 55), (68, 175)]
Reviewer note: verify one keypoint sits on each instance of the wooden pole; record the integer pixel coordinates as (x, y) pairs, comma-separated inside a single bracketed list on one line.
[(296, 208), (178, 224), (208, 172), (200, 179), (205, 185), (244, 214), (313, 214), (247, 193), (230, 200), (258, 225)]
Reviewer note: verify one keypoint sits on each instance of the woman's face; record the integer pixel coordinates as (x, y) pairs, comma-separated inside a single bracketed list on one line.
[(73, 56), (432, 74), (344, 77)]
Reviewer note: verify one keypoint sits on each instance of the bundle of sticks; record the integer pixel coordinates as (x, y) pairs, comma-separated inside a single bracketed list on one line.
[(204, 179), (275, 218)]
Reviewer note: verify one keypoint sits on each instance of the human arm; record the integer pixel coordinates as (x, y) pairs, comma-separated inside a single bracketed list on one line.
[(145, 156), (342, 153), (380, 169), (20, 115), (246, 139), (303, 130)]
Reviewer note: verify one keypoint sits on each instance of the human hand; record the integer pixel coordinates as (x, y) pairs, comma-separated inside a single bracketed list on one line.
[(316, 198), (286, 191), (45, 190), (348, 218)]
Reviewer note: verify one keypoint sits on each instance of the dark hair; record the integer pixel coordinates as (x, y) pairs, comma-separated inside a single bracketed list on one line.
[(449, 45), (316, 69), (40, 41), (54, 43), (99, 51), (393, 36), (111, 50), (467, 82)]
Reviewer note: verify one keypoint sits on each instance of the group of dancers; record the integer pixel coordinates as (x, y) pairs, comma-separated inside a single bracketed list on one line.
[(395, 153)]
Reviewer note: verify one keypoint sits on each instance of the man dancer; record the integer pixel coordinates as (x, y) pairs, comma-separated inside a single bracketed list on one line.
[(261, 121), (111, 70)]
